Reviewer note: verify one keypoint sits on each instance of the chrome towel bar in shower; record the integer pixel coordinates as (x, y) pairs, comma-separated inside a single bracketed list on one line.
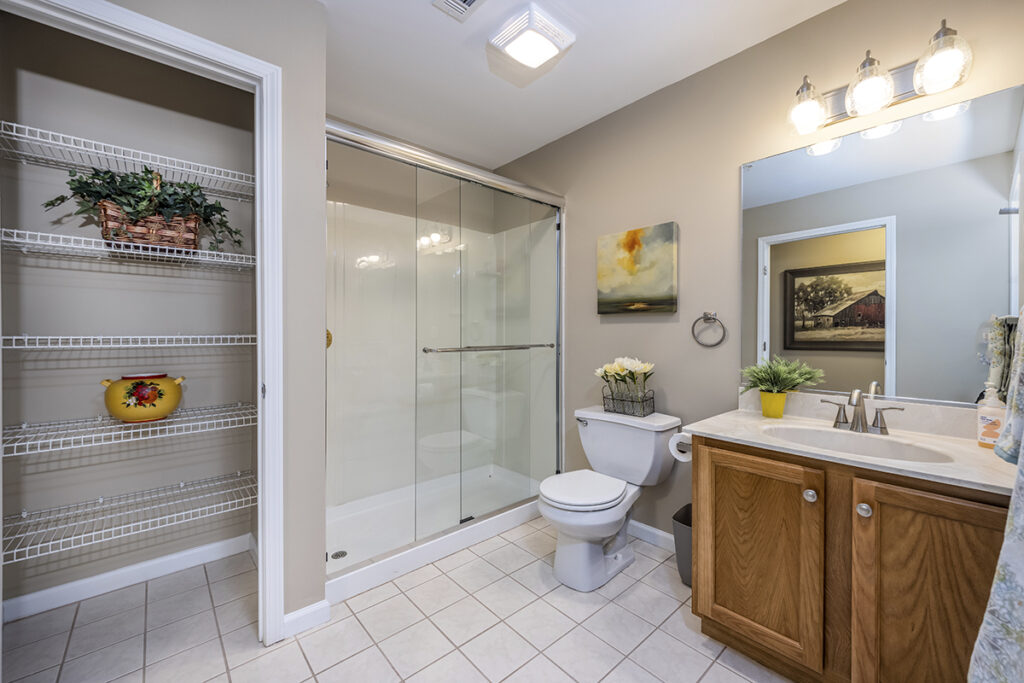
[(500, 347)]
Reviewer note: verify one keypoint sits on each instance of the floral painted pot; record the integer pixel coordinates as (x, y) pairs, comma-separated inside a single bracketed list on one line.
[(142, 398)]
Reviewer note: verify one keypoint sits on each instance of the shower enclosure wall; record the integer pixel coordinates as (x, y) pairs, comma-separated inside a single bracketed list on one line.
[(442, 360)]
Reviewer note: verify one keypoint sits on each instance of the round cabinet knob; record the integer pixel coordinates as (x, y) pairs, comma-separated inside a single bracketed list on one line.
[(810, 495), (864, 510)]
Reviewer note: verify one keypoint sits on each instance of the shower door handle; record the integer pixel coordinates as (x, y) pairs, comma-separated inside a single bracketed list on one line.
[(471, 349)]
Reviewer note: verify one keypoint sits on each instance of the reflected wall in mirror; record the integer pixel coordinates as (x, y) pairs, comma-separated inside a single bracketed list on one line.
[(885, 259)]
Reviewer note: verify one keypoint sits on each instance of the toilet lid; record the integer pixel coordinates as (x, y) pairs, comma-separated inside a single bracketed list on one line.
[(583, 490)]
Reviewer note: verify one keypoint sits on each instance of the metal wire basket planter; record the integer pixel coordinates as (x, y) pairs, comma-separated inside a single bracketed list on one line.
[(628, 404)]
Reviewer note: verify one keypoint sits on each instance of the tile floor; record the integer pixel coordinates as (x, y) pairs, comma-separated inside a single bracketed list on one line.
[(492, 612)]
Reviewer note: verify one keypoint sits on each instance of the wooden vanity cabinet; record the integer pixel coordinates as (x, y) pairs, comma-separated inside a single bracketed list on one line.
[(789, 572)]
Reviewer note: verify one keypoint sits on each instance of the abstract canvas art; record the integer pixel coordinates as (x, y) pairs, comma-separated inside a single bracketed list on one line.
[(637, 270)]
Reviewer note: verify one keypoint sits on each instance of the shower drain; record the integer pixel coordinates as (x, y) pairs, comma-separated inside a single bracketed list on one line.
[(338, 554)]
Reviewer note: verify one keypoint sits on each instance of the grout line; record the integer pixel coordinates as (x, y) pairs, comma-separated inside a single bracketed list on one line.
[(145, 628), (67, 644), (216, 621)]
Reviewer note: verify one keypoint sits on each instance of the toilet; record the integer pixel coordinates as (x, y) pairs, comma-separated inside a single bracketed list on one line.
[(591, 508)]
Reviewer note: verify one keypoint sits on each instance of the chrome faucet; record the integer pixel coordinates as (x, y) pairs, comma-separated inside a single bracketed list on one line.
[(879, 422), (859, 423), (874, 389)]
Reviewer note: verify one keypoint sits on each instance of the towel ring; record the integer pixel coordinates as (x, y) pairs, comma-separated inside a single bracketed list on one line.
[(708, 318)]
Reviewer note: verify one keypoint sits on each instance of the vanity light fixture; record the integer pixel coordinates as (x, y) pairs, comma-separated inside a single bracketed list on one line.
[(820, 149), (945, 64), (532, 37), (808, 112), (946, 112), (871, 90), (884, 130)]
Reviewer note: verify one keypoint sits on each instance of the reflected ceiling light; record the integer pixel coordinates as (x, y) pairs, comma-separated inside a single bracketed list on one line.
[(808, 112), (881, 131), (871, 90), (945, 64), (946, 112), (532, 37), (425, 241), (435, 237), (826, 147)]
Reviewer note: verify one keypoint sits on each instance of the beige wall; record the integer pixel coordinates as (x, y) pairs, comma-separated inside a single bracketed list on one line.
[(676, 155), (293, 36)]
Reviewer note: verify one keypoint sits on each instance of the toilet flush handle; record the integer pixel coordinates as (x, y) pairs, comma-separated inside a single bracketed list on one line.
[(581, 421)]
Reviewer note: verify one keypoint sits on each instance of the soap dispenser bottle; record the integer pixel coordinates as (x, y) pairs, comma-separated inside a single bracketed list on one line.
[(991, 417)]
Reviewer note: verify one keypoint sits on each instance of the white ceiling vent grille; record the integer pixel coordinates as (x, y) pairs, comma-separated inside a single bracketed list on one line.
[(457, 9)]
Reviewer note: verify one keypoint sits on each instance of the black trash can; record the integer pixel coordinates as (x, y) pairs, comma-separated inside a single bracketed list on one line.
[(682, 526)]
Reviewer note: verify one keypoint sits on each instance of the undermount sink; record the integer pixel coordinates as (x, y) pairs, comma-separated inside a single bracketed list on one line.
[(868, 445)]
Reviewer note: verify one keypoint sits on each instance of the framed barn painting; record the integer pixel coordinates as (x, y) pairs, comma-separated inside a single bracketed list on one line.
[(637, 270), (838, 308)]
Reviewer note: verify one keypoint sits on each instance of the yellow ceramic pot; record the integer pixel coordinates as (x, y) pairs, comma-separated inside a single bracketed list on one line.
[(772, 405), (142, 398)]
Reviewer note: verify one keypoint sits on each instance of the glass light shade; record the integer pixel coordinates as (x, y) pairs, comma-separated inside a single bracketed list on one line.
[(532, 37), (946, 112), (884, 130), (820, 149), (531, 49), (945, 64), (871, 89), (808, 111)]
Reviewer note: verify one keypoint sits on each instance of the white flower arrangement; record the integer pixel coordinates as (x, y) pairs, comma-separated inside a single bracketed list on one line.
[(626, 377)]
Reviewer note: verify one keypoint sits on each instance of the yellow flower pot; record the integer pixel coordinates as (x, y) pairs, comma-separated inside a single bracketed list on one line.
[(772, 405), (142, 398)]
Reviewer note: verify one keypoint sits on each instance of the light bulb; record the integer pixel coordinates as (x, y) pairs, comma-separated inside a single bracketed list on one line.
[(435, 237), (425, 241), (808, 112), (945, 64), (881, 131), (946, 112), (871, 90), (373, 258), (820, 149)]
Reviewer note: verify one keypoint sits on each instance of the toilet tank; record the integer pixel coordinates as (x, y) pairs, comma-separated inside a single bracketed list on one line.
[(634, 449)]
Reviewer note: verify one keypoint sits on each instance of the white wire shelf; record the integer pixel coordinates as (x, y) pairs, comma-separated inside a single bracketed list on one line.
[(46, 343), (56, 150), (71, 245), (26, 439), (44, 532)]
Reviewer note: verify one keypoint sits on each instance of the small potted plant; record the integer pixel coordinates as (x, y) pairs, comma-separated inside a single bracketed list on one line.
[(141, 209), (776, 377)]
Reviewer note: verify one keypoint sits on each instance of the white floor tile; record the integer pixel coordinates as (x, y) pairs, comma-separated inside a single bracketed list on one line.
[(107, 631), (652, 551), (492, 543), (416, 577), (233, 615), (541, 624), (34, 657), (498, 652), (176, 607), (110, 603), (200, 663), (415, 647), (229, 566), (748, 668), (234, 587), (38, 626), (538, 577), (575, 605), (476, 574), (372, 597), (452, 668), (447, 564), (684, 625), (583, 655), (509, 558), (630, 672), (505, 597), (368, 666), (180, 636), (665, 577), (537, 544), (284, 665), (172, 584), (104, 665), (47, 676), (538, 522), (334, 643), (647, 603), (719, 674), (670, 660), (244, 644), (436, 594), (640, 566), (464, 620), (619, 628), (389, 617), (540, 669), (518, 532), (616, 585)]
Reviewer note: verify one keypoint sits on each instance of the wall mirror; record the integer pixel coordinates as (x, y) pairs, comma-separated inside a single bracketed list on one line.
[(884, 255)]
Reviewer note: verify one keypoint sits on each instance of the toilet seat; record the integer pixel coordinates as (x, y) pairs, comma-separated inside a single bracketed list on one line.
[(582, 491)]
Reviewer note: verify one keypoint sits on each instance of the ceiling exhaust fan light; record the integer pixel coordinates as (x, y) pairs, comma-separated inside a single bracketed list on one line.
[(871, 90), (945, 64), (532, 37), (808, 112)]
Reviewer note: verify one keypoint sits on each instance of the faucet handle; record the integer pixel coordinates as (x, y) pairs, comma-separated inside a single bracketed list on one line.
[(879, 421), (840, 414)]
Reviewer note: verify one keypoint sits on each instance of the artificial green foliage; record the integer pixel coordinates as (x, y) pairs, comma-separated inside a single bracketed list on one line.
[(140, 196), (780, 375)]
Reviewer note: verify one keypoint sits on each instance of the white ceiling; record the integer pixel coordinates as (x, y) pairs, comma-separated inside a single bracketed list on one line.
[(989, 126), (407, 70)]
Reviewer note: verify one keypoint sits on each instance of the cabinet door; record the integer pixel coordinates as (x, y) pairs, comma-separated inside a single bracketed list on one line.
[(759, 527), (922, 569)]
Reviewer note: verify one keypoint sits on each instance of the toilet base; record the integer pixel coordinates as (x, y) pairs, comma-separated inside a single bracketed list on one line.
[(586, 565)]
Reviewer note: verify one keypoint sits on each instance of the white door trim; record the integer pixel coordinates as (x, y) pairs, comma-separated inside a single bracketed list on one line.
[(121, 28), (764, 267)]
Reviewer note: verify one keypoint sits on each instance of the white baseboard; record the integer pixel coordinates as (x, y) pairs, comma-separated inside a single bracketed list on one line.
[(306, 618), (73, 591), (654, 536), (370, 576)]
